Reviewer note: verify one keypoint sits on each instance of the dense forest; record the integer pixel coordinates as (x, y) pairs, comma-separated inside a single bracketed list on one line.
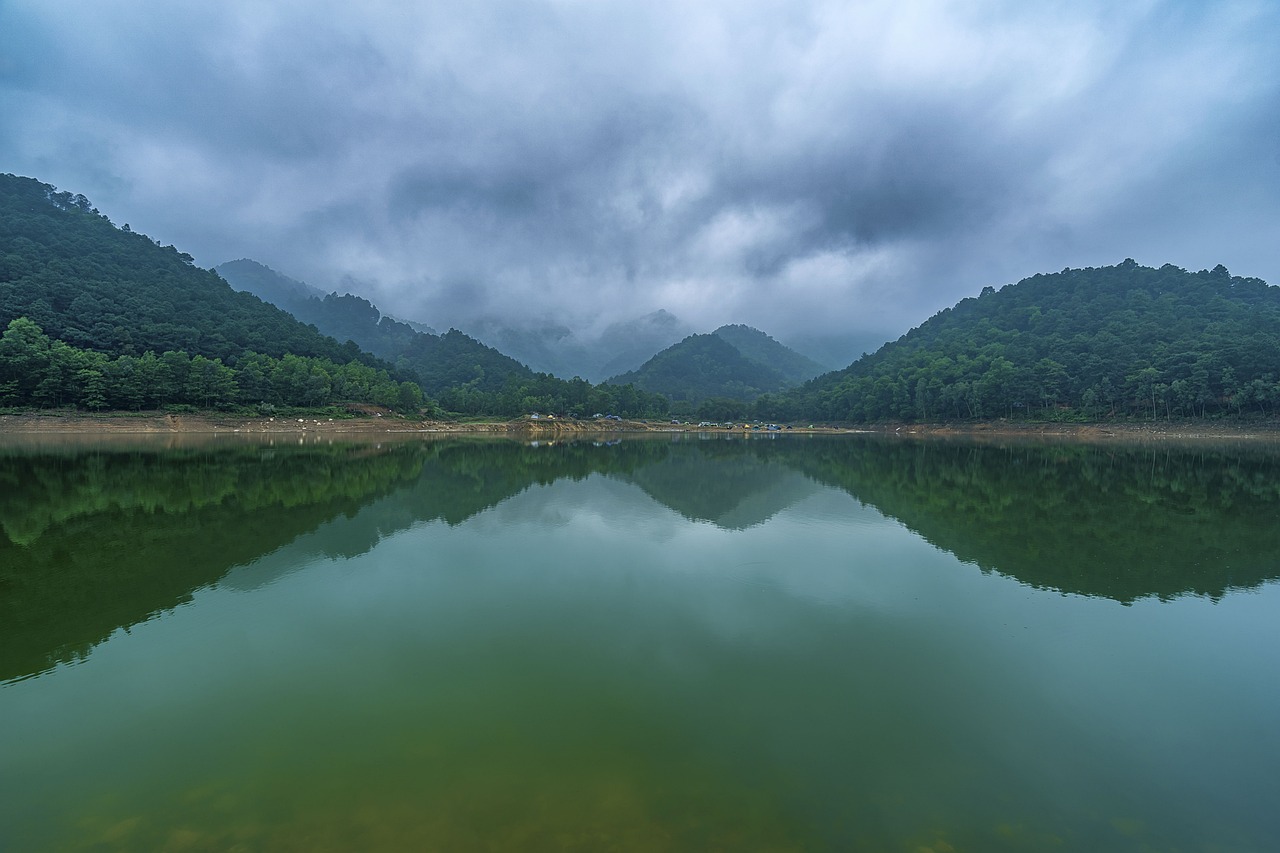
[(1088, 344), (36, 370), (702, 367), (97, 287)]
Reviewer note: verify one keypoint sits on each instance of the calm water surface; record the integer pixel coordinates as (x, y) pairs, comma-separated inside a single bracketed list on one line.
[(796, 644)]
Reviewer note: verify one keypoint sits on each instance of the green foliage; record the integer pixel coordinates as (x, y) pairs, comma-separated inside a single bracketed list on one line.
[(344, 318), (702, 367), (40, 372), (756, 346), (1123, 341), (109, 290)]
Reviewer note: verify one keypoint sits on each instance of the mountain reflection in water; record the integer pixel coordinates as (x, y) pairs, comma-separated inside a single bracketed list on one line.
[(102, 539)]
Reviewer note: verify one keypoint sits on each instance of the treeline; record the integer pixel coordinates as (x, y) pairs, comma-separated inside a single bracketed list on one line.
[(36, 370), (1115, 342), (543, 392)]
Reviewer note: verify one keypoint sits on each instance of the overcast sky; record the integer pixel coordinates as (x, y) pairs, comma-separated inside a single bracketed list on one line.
[(792, 165)]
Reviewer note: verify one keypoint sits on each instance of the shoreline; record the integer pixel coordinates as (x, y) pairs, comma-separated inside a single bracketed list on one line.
[(193, 424)]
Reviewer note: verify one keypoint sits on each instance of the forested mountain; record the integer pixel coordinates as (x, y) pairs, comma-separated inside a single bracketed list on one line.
[(267, 284), (717, 374), (763, 349), (100, 317), (464, 374), (440, 362), (344, 318), (1093, 343), (702, 367), (97, 287)]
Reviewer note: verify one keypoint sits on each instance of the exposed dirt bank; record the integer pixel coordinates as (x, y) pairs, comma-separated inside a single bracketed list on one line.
[(159, 423), (1164, 432)]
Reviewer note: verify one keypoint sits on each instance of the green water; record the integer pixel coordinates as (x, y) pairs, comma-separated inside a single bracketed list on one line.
[(792, 644)]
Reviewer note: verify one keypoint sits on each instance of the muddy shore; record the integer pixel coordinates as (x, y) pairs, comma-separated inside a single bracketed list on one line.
[(193, 424)]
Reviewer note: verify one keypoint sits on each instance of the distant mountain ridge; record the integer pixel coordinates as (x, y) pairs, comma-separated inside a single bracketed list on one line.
[(763, 349), (465, 375), (439, 361), (557, 349)]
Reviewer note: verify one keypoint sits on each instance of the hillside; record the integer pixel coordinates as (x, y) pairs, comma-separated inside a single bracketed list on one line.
[(1095, 343), (102, 318), (763, 349), (439, 362), (344, 318), (702, 367), (466, 376), (98, 287)]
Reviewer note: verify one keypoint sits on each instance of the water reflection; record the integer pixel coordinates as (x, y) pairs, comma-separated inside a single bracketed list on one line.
[(100, 540), (1119, 522), (97, 540), (681, 645)]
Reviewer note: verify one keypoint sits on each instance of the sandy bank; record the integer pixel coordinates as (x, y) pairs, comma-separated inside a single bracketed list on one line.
[(160, 423)]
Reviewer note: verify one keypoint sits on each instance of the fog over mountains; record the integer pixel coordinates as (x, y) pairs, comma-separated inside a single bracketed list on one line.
[(620, 348)]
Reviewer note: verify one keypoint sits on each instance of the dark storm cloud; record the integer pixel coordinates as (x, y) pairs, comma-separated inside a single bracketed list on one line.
[(787, 164)]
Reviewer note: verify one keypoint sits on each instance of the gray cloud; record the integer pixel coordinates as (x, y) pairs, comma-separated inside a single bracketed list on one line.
[(816, 166)]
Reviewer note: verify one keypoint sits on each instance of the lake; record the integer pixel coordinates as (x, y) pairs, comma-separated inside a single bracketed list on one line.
[(680, 643)]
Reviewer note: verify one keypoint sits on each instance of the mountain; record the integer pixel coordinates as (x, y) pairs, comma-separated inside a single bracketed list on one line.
[(465, 375), (1084, 344), (268, 285), (440, 362), (102, 318), (733, 363), (100, 288), (762, 349), (554, 348), (702, 367), (547, 348), (345, 317), (631, 343)]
